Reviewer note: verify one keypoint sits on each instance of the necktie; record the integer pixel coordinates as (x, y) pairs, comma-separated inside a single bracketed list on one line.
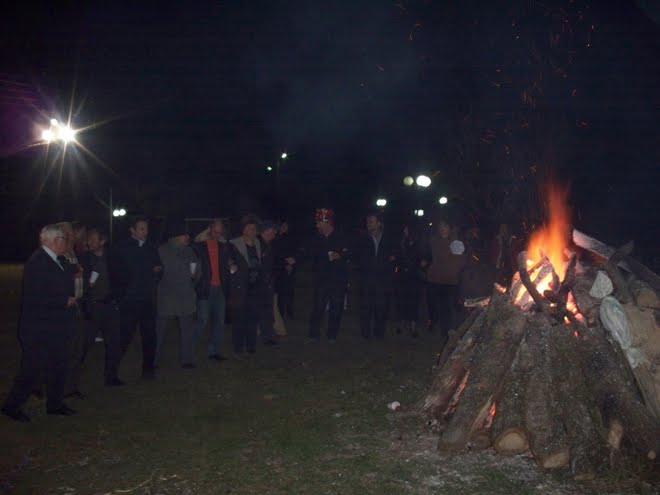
[(62, 261)]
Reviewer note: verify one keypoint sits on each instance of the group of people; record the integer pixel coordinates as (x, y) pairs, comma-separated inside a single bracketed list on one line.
[(77, 287)]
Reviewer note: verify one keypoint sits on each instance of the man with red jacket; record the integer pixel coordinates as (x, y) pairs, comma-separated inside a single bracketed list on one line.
[(211, 301)]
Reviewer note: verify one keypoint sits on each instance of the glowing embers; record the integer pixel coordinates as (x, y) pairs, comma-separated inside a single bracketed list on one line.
[(546, 281)]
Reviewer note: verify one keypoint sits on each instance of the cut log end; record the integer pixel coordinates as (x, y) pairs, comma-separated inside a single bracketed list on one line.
[(555, 460), (512, 441)]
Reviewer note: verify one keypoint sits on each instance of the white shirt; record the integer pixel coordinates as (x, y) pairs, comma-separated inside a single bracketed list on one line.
[(52, 254)]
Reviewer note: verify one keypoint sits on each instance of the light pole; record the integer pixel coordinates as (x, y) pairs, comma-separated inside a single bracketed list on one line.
[(282, 157)]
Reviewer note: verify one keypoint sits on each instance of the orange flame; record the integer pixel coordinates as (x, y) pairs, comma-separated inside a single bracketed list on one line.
[(552, 238)]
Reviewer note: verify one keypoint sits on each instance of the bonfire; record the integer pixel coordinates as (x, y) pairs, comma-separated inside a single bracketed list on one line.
[(534, 370)]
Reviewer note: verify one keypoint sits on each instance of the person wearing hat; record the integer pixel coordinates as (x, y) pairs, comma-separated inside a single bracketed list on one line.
[(176, 296), (329, 251), (134, 271), (247, 277)]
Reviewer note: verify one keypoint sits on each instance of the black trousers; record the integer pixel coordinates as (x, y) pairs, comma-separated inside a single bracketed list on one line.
[(245, 319), (81, 342), (408, 290), (105, 318), (45, 355), (142, 313), (373, 307), (267, 315), (285, 294), (331, 297), (443, 309)]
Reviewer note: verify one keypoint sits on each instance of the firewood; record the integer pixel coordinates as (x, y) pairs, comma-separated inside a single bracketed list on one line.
[(454, 336), (579, 412), (614, 392), (449, 376), (505, 327), (508, 434), (625, 261), (540, 301), (543, 416)]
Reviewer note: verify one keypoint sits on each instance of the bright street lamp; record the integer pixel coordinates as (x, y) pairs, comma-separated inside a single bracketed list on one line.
[(381, 202), (58, 132), (66, 134), (408, 181), (443, 200), (118, 212), (419, 213), (269, 168), (283, 156), (423, 181)]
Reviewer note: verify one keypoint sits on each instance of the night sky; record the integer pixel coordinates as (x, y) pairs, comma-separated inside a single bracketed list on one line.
[(189, 104)]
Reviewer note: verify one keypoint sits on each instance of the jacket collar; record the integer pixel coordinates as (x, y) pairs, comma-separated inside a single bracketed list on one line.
[(241, 247)]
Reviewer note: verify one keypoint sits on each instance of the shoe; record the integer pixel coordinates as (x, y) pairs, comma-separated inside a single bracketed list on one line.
[(114, 382), (63, 410), (271, 342), (188, 366), (76, 394), (16, 415), (217, 357)]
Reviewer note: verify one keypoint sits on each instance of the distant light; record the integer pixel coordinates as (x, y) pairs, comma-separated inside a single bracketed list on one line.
[(283, 156), (122, 212), (419, 213), (381, 202), (47, 135), (115, 213), (408, 181), (269, 168), (54, 122), (423, 181), (66, 134), (443, 200)]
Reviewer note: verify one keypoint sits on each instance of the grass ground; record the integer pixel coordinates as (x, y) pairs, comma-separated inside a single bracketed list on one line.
[(307, 418)]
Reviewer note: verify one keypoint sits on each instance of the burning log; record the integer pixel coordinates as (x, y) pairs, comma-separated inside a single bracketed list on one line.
[(540, 301), (505, 327)]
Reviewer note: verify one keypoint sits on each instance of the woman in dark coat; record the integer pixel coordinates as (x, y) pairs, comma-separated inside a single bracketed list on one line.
[(246, 281)]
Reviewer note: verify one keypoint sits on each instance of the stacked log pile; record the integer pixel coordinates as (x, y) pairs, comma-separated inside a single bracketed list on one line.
[(540, 380)]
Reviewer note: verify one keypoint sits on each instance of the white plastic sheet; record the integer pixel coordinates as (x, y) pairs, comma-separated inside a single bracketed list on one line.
[(614, 320)]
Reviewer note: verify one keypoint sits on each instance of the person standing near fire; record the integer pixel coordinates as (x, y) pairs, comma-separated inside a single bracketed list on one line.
[(444, 260), (330, 253), (375, 258)]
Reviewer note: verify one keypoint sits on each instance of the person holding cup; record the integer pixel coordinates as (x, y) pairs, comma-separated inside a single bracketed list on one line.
[(330, 253), (176, 297), (101, 309)]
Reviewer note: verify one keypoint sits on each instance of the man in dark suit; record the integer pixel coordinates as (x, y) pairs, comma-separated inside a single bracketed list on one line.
[(135, 269), (375, 255), (46, 326)]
